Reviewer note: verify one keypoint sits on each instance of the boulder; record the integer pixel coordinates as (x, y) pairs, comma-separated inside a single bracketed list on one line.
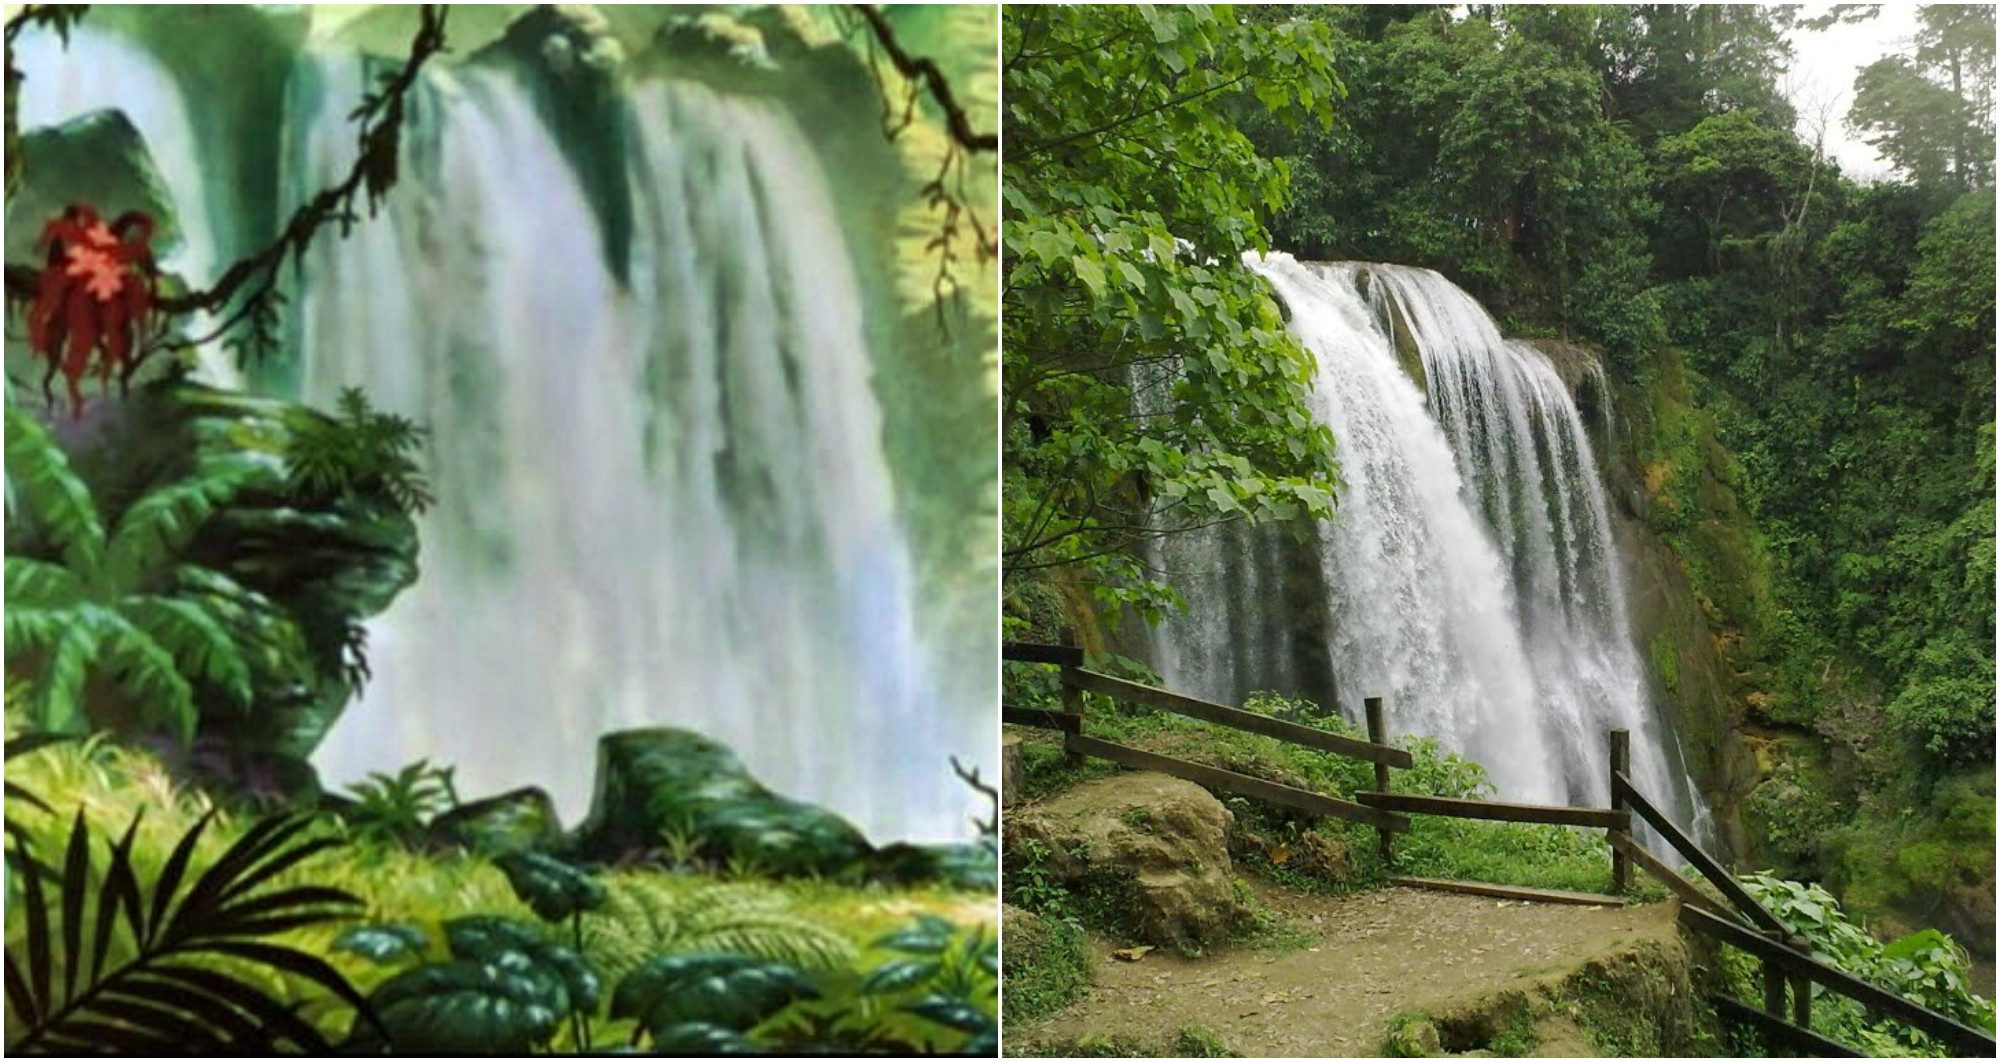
[(1151, 847), (519, 820), (666, 787), (1013, 770)]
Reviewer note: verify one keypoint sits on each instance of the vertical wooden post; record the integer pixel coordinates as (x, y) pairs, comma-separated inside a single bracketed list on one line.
[(1774, 1000), (1072, 697), (1378, 732), (1621, 763), (1802, 1001)]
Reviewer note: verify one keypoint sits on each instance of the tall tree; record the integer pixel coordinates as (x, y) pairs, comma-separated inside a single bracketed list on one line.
[(1150, 384)]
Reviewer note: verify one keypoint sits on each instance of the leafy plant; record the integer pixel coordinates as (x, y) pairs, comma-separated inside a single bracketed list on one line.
[(118, 602), (359, 452), (399, 807), (938, 996), (506, 990), (112, 960), (643, 916), (1926, 967)]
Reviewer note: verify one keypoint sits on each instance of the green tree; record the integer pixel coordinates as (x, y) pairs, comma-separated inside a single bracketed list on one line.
[(114, 600), (1150, 384), (1930, 113)]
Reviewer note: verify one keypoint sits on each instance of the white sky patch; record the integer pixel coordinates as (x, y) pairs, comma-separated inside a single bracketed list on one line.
[(1821, 81)]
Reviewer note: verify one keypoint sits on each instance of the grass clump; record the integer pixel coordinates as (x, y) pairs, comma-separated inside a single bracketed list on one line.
[(1045, 966)]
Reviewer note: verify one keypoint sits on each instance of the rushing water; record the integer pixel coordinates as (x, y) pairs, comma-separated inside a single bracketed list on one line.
[(665, 502), (663, 494), (1469, 575)]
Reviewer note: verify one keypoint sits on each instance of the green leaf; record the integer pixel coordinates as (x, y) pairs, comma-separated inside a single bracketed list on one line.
[(393, 942), (731, 991), (1090, 273), (555, 889), (899, 975), (469, 1008)]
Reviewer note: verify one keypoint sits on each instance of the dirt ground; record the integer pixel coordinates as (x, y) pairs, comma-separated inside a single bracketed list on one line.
[(1342, 968)]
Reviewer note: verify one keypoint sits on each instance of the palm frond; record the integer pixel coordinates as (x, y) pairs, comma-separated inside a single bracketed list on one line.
[(171, 995), (40, 477), (38, 584)]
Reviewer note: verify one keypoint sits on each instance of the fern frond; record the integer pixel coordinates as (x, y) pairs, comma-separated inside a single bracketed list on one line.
[(36, 584), (158, 525), (198, 644), (645, 917), (146, 671), (57, 700), (40, 477)]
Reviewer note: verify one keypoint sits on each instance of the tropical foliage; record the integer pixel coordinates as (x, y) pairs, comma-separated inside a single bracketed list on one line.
[(114, 600)]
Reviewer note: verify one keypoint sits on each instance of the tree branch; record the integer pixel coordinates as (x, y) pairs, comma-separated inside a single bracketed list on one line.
[(374, 170), (927, 72)]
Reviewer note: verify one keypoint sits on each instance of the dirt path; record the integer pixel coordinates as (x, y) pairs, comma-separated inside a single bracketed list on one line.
[(1357, 962)]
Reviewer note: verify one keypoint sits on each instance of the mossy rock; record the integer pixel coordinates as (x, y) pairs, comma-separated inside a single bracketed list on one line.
[(659, 784), (519, 820)]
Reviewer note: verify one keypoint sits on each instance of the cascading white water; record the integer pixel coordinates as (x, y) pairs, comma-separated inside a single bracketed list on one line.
[(1469, 575), (663, 502)]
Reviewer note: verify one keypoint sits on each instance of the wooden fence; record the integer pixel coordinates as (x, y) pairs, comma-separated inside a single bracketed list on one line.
[(1735, 919)]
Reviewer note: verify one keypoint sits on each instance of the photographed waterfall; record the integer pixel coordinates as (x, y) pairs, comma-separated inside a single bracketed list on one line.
[(662, 500), (1469, 574)]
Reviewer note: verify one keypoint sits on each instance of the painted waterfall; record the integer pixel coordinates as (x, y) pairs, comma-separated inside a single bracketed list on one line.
[(662, 388), (1469, 576)]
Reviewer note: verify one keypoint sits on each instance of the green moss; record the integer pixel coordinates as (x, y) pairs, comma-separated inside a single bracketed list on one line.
[(1666, 659)]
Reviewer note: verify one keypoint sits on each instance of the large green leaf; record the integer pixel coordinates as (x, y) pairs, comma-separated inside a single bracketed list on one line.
[(390, 943), (731, 991), (488, 938), (508, 1007), (555, 889)]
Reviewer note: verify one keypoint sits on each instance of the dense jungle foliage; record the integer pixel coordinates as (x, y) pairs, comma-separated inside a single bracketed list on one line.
[(1803, 361)]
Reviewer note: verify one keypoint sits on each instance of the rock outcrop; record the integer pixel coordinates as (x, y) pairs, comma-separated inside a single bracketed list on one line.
[(1152, 846)]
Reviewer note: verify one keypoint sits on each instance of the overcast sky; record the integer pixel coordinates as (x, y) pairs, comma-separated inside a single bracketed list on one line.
[(1821, 80)]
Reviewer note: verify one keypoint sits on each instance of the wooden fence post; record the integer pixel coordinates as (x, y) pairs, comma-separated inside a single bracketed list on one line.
[(1378, 732), (1774, 1000), (1072, 697), (1621, 763), (1801, 987)]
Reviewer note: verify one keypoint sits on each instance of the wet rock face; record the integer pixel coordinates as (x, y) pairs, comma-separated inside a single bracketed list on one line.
[(1153, 846)]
